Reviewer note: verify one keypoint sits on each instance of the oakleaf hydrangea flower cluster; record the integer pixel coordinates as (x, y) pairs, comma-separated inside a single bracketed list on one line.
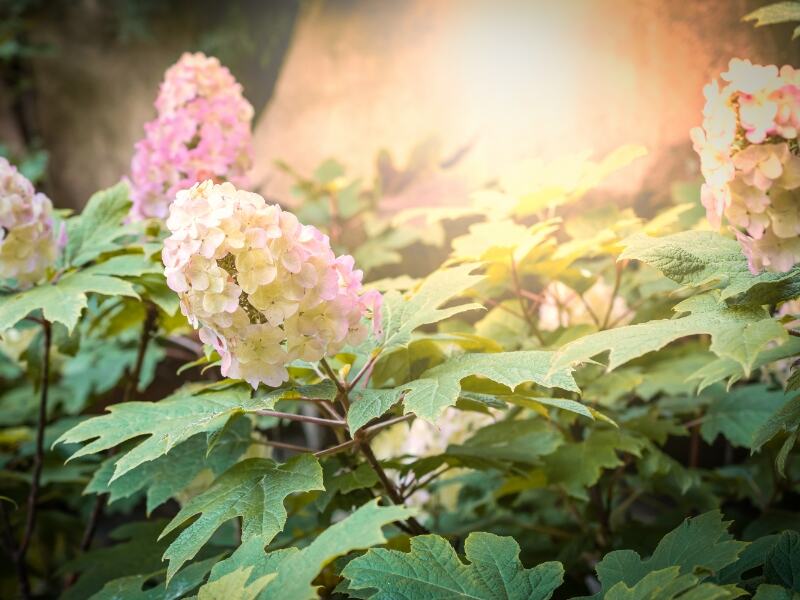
[(263, 288), (28, 238), (202, 131), (750, 160)]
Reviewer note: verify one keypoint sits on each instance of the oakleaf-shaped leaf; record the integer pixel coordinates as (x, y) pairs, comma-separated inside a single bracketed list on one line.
[(166, 424), (62, 301), (516, 440), (578, 465), (253, 489), (783, 561), (440, 386), (700, 543), (98, 226), (131, 587), (167, 475), (739, 413), (704, 258), (786, 418), (233, 586), (296, 569), (368, 404), (402, 315), (737, 332), (432, 570)]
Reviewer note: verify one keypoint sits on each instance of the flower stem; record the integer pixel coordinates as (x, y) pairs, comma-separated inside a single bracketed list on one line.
[(301, 418)]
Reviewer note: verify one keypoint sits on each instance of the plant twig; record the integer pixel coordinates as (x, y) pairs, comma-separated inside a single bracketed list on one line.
[(617, 281), (335, 449), (363, 445), (285, 445), (38, 464), (522, 304), (388, 423), (301, 418), (332, 375), (148, 328), (370, 363)]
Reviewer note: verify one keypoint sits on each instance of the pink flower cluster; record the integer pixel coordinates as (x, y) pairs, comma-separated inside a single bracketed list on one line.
[(750, 160), (202, 131), (263, 288), (28, 239)]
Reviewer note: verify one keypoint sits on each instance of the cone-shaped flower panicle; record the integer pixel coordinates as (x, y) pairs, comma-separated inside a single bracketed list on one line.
[(28, 238), (263, 288), (750, 160), (202, 131)]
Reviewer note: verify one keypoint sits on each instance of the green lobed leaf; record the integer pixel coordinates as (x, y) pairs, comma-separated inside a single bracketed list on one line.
[(131, 587), (432, 570), (782, 566), (136, 551), (705, 258), (439, 387), (786, 418), (296, 569), (402, 315), (768, 591), (234, 586), (169, 474), (578, 465), (668, 584), (522, 440), (62, 301), (702, 542), (253, 489), (779, 12), (98, 226), (727, 368), (739, 413), (166, 423), (368, 404), (737, 332)]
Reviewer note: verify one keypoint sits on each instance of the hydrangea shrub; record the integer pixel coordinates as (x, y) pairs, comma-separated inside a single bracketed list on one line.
[(578, 402), (263, 288), (202, 131), (750, 159), (29, 238)]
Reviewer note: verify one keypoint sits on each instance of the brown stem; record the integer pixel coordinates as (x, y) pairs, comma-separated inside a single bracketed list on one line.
[(148, 328), (285, 445), (363, 371), (301, 418), (617, 280), (332, 375), (589, 310), (424, 481), (694, 447), (335, 449), (19, 566), (38, 463), (363, 445), (522, 304), (388, 423)]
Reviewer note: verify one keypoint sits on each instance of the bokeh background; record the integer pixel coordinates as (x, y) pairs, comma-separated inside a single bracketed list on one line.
[(455, 91)]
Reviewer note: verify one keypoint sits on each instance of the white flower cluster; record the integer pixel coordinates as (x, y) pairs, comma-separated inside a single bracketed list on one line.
[(28, 244), (263, 288), (750, 159)]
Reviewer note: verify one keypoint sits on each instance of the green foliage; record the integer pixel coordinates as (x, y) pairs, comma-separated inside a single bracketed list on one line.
[(737, 332), (439, 387), (432, 569), (780, 12), (173, 420), (471, 446), (254, 490)]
